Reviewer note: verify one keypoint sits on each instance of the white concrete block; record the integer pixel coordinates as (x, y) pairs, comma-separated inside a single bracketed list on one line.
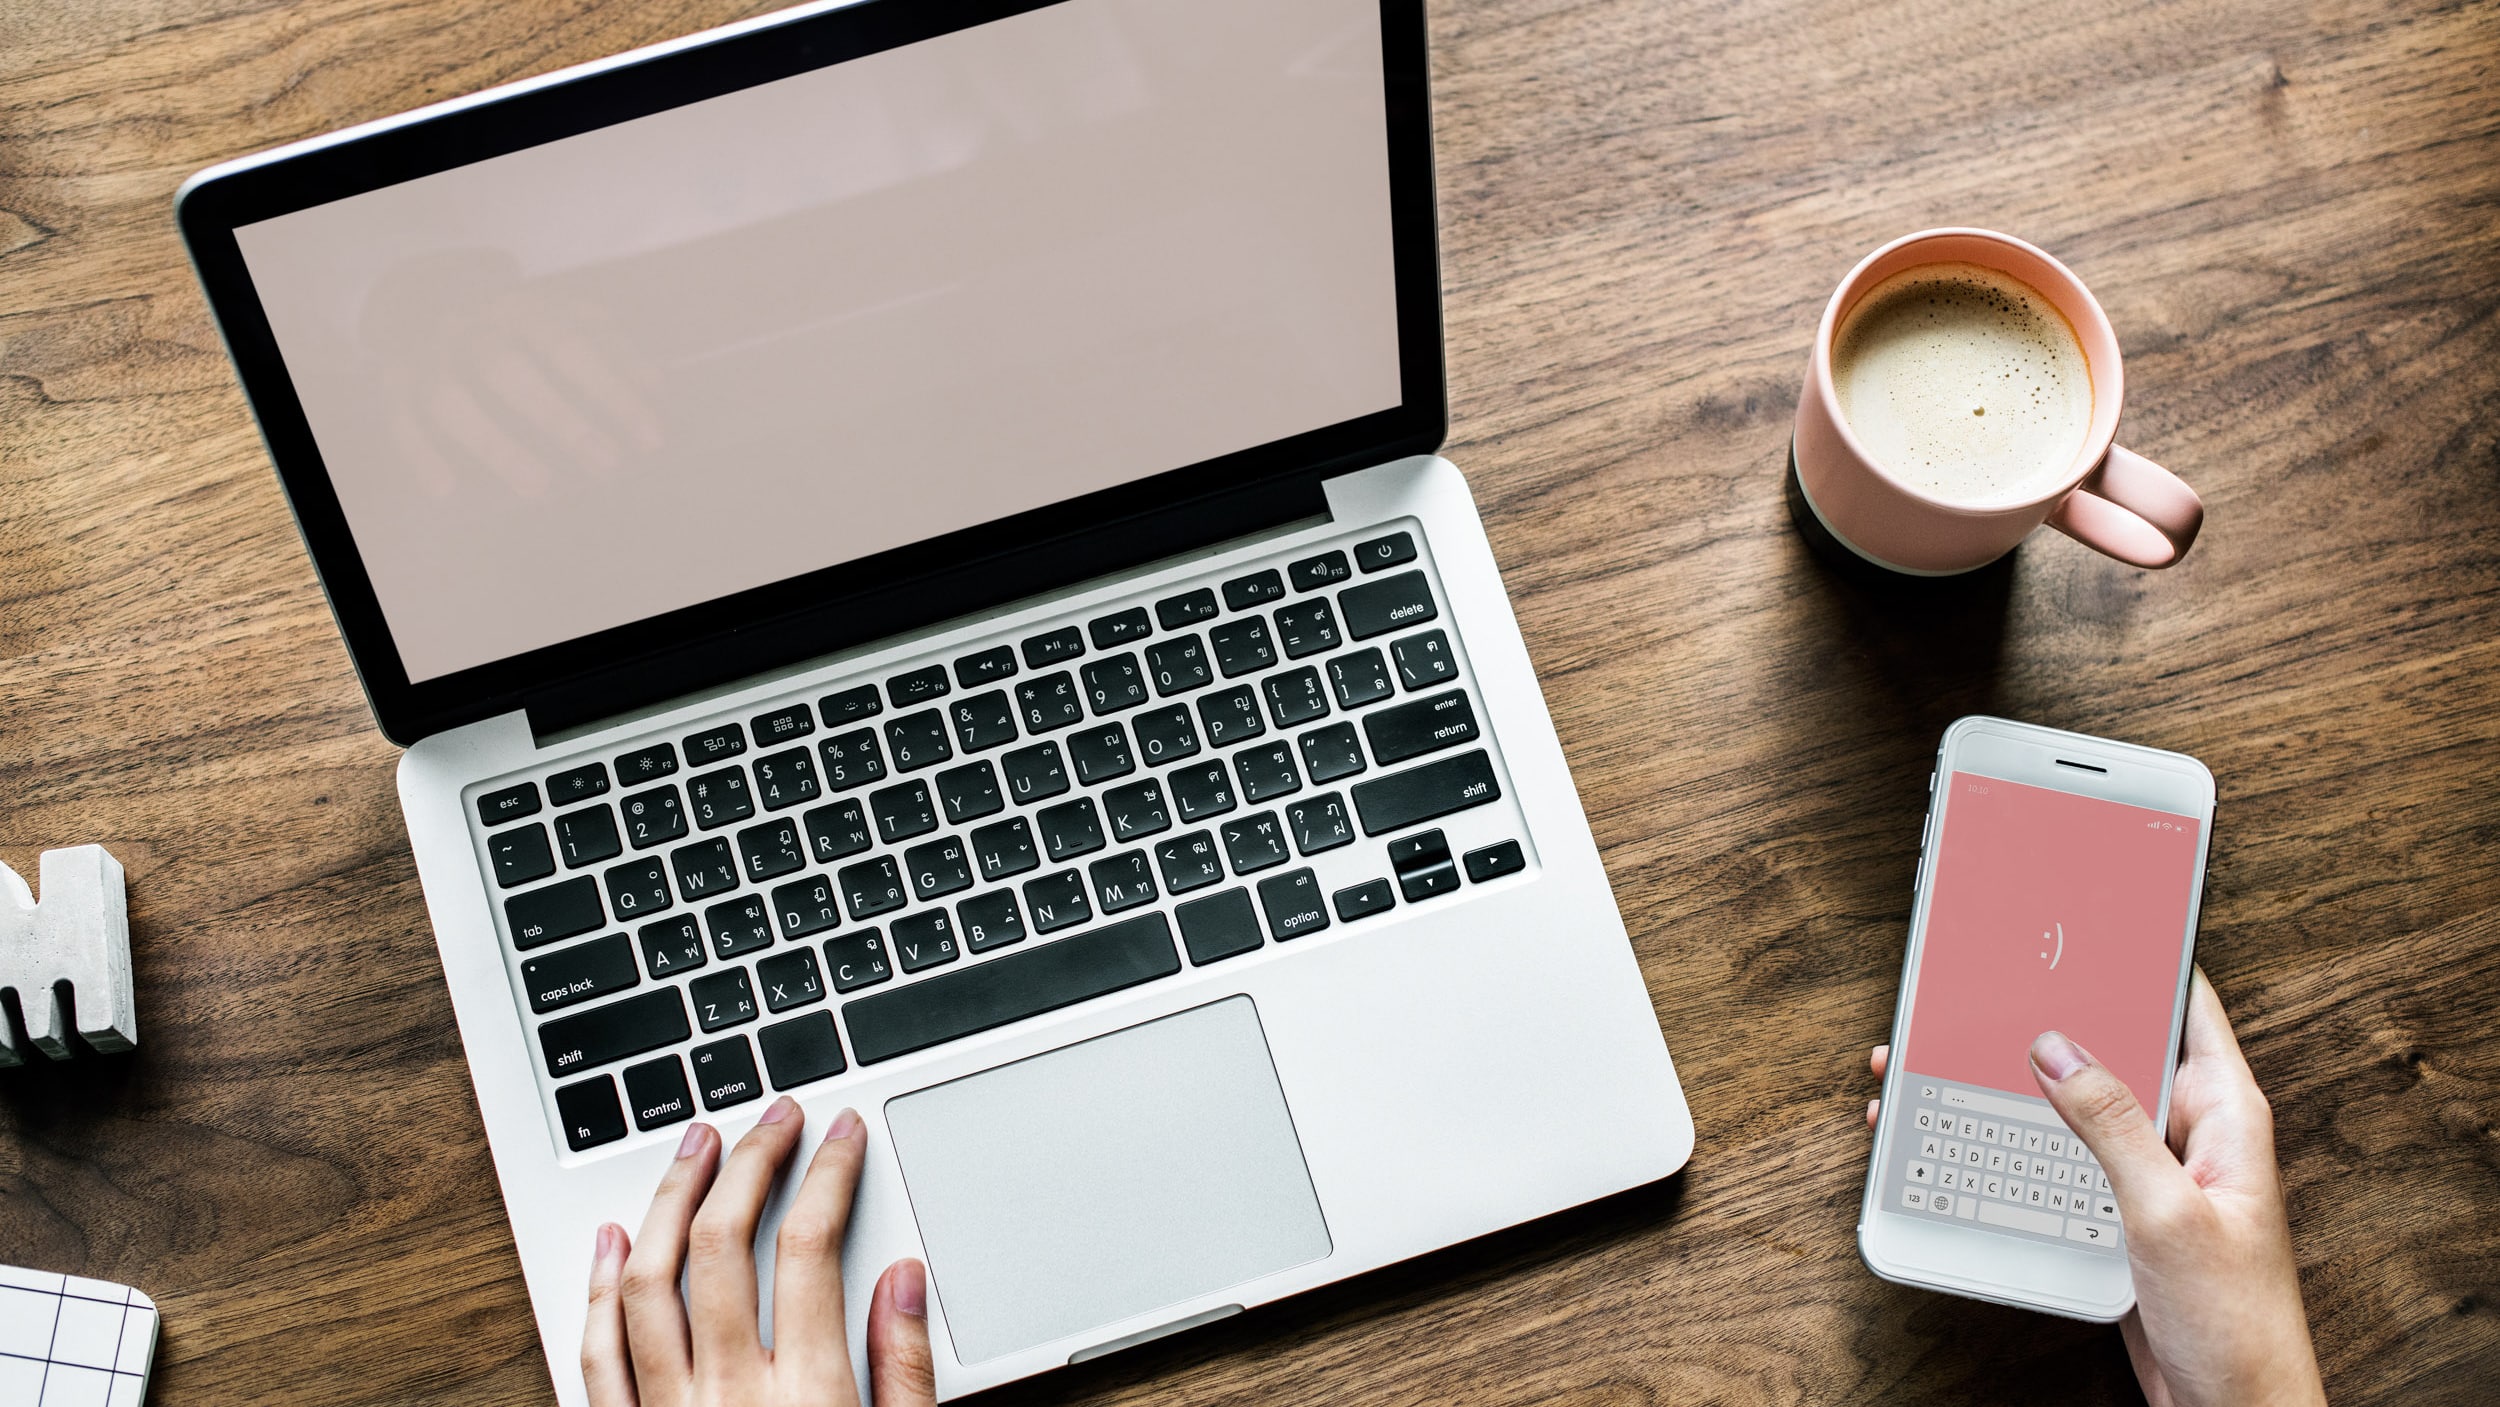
[(79, 934)]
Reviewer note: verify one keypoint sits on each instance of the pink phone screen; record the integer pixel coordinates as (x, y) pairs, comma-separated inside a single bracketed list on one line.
[(2050, 911)]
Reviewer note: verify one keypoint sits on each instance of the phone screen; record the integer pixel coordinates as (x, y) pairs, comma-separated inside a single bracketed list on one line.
[(2048, 910)]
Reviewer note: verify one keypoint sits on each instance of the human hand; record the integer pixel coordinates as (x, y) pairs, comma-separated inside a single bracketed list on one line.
[(2218, 1317), (642, 1348)]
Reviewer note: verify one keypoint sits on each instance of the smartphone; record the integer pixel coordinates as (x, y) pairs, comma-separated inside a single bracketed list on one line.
[(2059, 879)]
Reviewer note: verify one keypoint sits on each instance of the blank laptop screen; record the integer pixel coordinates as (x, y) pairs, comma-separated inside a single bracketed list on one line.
[(654, 364)]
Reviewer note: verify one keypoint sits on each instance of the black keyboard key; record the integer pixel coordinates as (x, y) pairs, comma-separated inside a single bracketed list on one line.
[(1058, 647), (1136, 810), (520, 855), (785, 778), (1121, 881), (1254, 842), (1189, 862), (606, 1034), (583, 972), (1383, 552), (1390, 603), (1423, 725), (850, 706), (510, 804), (924, 940), (671, 946), (789, 980), (1231, 716), (740, 925), (1100, 753), (1295, 697), (587, 836), (1186, 609), (782, 725), (990, 920), (938, 868), (1005, 848), (1306, 628), (1257, 589), (657, 1093), (722, 999), (725, 1072), (1359, 678), (918, 740), (1423, 793), (917, 686), (1010, 988), (1312, 573), (1355, 901), (836, 831), (1422, 864), (1331, 752), (1114, 684), (983, 721), (802, 1050), (1267, 771), (1494, 861), (1178, 666), (805, 906), (1034, 773), (1319, 823), (1070, 828), (711, 745), (871, 887), (637, 889), (1057, 901), (903, 811), (1219, 926), (772, 849), (1293, 905), (1049, 702), (719, 798), (1165, 735), (704, 869), (653, 817), (577, 784), (1120, 628), (985, 667), (590, 1113), (1202, 791), (857, 960), (1242, 646), (1424, 660), (969, 792), (646, 765), (852, 759), (558, 911)]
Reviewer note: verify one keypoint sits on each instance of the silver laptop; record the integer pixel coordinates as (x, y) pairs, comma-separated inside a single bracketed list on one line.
[(905, 546)]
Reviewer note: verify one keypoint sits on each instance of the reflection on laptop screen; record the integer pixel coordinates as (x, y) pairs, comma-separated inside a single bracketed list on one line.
[(654, 364)]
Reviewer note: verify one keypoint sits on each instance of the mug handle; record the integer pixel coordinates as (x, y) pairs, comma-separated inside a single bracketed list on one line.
[(2133, 510)]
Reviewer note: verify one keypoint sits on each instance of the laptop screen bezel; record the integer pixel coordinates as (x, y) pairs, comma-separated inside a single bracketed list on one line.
[(773, 626)]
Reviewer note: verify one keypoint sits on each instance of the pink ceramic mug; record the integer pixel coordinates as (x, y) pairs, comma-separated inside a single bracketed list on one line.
[(2110, 499)]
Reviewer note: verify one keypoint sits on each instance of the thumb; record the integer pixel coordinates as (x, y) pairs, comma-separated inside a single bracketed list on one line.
[(2104, 1113), (901, 1372)]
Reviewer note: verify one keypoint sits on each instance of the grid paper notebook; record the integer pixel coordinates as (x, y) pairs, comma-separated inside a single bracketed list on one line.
[(72, 1342)]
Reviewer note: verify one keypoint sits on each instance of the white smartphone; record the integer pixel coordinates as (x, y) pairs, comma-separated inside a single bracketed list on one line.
[(2059, 879)]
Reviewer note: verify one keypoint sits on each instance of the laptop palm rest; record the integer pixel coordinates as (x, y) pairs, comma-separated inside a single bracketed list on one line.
[(1097, 1182)]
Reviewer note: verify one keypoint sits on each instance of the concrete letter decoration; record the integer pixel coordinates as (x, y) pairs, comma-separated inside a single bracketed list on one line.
[(79, 934)]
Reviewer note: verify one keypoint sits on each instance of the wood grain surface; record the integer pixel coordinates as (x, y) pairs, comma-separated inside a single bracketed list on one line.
[(2291, 212)]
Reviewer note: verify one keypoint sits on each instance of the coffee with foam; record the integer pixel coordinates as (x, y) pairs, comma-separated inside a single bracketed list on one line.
[(1964, 383)]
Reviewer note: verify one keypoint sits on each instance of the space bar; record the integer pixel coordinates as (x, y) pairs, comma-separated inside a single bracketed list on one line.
[(2021, 1218), (1059, 973)]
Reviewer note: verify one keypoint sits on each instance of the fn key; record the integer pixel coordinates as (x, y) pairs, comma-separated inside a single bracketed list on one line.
[(591, 1114)]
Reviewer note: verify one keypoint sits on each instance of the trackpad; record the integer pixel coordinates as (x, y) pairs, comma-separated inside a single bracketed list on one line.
[(1106, 1179)]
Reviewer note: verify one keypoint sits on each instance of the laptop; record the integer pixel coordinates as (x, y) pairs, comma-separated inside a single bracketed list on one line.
[(905, 548)]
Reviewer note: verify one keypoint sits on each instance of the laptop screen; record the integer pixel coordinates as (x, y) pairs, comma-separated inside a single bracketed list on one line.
[(650, 365)]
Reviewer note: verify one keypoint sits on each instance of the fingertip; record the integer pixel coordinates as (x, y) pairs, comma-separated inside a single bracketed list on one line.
[(2055, 1055), (911, 1288), (1878, 1058), (842, 1126), (783, 1108), (1874, 1107)]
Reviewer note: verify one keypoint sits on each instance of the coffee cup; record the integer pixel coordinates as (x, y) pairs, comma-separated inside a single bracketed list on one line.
[(1896, 457)]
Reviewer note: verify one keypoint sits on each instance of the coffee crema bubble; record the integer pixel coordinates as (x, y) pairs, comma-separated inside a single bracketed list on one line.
[(1965, 383)]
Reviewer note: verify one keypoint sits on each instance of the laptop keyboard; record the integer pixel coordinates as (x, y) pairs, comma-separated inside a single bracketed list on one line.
[(893, 864)]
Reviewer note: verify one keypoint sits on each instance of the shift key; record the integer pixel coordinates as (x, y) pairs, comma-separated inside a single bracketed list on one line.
[(1421, 793), (605, 1034)]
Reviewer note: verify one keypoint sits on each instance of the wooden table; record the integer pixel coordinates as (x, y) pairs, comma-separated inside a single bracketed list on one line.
[(2293, 216)]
